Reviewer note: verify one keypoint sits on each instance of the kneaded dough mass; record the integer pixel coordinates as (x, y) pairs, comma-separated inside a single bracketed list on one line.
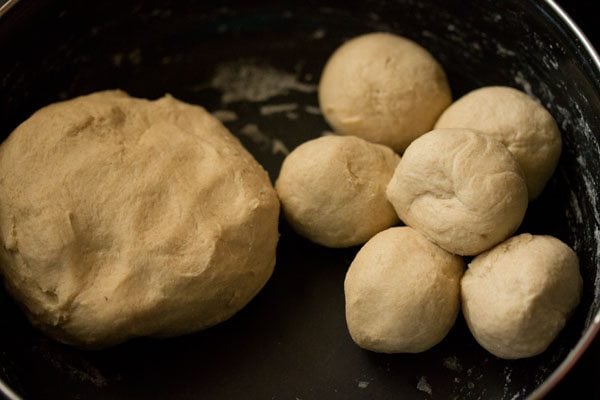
[(402, 292), (517, 296), (461, 189), (122, 217), (383, 88), (523, 125), (332, 190)]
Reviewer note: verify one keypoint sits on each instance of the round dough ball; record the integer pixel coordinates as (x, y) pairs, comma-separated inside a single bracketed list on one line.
[(517, 296), (461, 189), (402, 292), (523, 125), (122, 217), (383, 88), (332, 190)]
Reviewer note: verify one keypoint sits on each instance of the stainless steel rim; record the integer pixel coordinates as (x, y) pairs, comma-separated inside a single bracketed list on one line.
[(7, 6), (592, 331)]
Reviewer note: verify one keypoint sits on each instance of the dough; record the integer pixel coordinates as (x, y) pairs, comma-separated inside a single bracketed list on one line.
[(461, 189), (516, 120), (383, 88), (517, 296), (122, 217), (332, 190), (402, 292)]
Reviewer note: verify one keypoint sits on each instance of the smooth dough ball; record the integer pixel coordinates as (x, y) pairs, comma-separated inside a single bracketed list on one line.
[(517, 296), (332, 190), (461, 189), (402, 292), (122, 217), (383, 88), (523, 125)]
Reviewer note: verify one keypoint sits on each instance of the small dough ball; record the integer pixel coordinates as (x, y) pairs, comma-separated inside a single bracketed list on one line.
[(517, 296), (520, 123), (383, 88), (332, 190), (122, 217), (402, 292), (461, 189)]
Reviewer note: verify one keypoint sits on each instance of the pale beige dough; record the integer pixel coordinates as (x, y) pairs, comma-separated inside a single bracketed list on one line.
[(122, 217), (383, 88), (523, 125), (517, 296), (402, 292), (332, 190), (461, 189)]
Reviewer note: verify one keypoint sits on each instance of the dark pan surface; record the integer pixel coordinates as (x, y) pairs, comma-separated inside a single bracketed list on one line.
[(291, 341)]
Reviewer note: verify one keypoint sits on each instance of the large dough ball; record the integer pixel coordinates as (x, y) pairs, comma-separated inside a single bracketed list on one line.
[(517, 297), (402, 292), (383, 88), (461, 189), (517, 121), (332, 190), (122, 217)]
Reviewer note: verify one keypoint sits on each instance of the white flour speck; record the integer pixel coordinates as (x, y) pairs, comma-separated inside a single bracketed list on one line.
[(363, 384), (249, 81), (251, 131), (424, 386), (428, 34), (318, 34), (277, 146), (277, 108), (291, 115), (503, 51), (453, 364), (520, 79), (312, 110), (225, 115), (575, 205)]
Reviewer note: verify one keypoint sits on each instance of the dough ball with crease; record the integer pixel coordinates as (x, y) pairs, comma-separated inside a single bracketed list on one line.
[(517, 296), (523, 125), (461, 189), (122, 217), (383, 88), (402, 292), (332, 190)]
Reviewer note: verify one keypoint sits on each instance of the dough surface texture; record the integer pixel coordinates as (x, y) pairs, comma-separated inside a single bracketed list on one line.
[(523, 125), (332, 190), (122, 217), (517, 296), (383, 88), (461, 189), (402, 292)]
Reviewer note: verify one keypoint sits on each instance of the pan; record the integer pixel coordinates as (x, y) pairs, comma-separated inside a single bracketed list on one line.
[(256, 66)]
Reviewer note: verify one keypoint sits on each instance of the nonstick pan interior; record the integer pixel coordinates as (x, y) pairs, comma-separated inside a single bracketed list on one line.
[(257, 64)]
